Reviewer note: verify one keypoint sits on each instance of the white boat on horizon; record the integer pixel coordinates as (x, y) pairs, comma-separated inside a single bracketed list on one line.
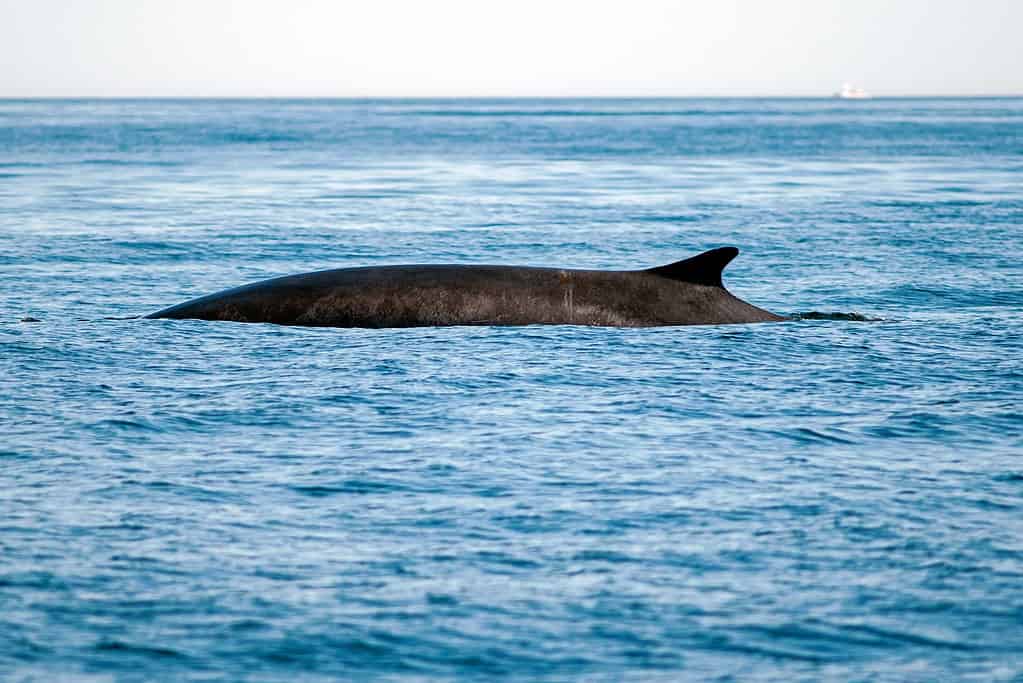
[(851, 92)]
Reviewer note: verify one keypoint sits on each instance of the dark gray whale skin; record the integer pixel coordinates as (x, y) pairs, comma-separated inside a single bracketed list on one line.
[(688, 292)]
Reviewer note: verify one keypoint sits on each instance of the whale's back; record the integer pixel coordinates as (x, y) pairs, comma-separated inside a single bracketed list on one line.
[(687, 292)]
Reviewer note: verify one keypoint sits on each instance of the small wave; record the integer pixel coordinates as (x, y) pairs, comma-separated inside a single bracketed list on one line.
[(355, 486), (136, 649), (129, 424), (835, 315)]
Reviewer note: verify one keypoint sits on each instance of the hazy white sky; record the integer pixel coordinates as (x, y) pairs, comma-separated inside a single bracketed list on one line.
[(520, 47)]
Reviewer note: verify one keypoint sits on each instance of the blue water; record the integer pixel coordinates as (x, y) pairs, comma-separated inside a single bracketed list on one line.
[(824, 499)]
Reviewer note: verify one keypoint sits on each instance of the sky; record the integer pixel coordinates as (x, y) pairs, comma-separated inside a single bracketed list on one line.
[(357, 48)]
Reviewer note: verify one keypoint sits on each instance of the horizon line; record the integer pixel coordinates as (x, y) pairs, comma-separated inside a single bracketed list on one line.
[(514, 97)]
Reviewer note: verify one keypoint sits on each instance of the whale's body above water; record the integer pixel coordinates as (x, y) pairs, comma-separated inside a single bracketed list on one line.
[(688, 292)]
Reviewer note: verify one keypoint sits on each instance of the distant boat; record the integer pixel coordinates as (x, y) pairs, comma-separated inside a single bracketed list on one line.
[(851, 92)]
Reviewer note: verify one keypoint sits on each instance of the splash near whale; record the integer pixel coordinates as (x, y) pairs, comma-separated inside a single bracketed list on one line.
[(687, 292)]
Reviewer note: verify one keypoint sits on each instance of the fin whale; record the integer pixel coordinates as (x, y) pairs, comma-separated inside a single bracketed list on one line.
[(688, 292)]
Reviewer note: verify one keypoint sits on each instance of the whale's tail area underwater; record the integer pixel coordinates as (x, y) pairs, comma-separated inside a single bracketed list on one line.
[(687, 292)]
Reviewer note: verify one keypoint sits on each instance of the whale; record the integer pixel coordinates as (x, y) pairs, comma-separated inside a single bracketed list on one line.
[(686, 292)]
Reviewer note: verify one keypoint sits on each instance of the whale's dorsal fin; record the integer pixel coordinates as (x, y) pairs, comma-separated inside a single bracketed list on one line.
[(703, 269)]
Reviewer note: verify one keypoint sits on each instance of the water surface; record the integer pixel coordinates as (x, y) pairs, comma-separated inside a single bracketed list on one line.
[(835, 498)]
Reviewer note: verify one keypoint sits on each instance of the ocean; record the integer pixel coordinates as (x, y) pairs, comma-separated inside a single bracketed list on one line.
[(835, 498)]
